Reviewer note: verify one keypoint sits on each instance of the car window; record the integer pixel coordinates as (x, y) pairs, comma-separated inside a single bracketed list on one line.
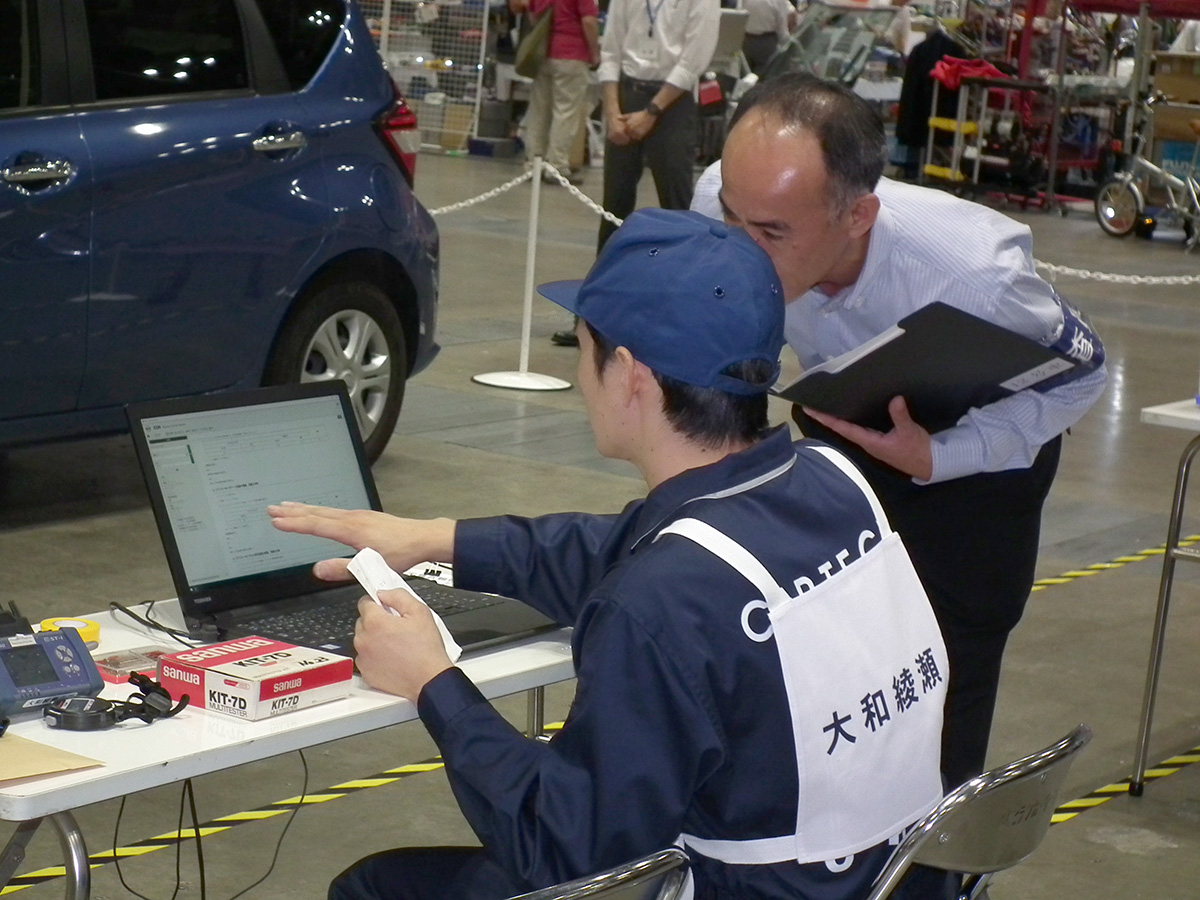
[(19, 65), (146, 48), (304, 32)]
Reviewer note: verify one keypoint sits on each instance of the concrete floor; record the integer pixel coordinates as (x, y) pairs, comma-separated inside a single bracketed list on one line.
[(75, 532)]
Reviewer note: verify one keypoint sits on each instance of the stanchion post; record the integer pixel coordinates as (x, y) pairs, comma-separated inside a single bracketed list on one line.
[(535, 208), (523, 379)]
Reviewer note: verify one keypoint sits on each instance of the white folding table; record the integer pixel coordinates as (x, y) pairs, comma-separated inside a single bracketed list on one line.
[(195, 742)]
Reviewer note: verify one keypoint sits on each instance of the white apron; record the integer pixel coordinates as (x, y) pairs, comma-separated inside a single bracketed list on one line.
[(865, 672)]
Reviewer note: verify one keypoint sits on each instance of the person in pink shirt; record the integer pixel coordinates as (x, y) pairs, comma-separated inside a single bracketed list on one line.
[(557, 97)]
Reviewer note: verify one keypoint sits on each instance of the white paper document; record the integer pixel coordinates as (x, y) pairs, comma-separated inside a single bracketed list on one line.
[(375, 575)]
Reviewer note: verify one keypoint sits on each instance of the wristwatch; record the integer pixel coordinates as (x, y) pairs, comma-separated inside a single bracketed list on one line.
[(653, 109)]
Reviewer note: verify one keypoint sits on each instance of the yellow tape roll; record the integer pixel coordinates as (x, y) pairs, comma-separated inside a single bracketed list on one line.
[(88, 630)]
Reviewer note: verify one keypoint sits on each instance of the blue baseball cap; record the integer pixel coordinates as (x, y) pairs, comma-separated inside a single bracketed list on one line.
[(687, 295)]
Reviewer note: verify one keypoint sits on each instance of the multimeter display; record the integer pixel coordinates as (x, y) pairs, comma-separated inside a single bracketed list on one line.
[(36, 669), (28, 665)]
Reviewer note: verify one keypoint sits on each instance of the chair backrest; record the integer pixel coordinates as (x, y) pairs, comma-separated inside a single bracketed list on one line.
[(658, 876), (991, 822)]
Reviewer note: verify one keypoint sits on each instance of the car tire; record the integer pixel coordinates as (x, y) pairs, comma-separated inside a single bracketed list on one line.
[(348, 330), (1118, 207)]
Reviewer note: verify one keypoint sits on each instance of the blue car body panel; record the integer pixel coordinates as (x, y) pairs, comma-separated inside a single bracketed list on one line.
[(44, 268), (193, 233), (366, 190), (169, 261)]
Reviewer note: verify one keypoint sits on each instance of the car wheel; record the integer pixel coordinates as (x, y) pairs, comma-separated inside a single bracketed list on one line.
[(1117, 207), (351, 331)]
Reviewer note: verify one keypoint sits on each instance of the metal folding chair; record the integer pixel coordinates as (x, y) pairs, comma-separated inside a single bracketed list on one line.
[(658, 876), (990, 823)]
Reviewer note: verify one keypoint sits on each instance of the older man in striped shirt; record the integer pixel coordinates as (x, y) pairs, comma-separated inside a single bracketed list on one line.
[(856, 253)]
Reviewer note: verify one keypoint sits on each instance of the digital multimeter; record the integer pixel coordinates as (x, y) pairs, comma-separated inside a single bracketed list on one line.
[(36, 669)]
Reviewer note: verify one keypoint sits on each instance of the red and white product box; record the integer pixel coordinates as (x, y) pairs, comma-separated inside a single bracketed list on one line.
[(255, 677)]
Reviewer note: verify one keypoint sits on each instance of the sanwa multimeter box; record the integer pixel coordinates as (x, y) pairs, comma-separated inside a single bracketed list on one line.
[(255, 677), (38, 668)]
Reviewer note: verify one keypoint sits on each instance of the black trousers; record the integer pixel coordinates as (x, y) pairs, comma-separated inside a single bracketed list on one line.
[(426, 873), (974, 544), (758, 49), (668, 150)]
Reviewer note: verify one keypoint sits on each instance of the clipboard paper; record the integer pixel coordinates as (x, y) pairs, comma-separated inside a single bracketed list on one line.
[(943, 361)]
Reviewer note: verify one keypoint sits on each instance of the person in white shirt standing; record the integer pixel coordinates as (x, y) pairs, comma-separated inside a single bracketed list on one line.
[(899, 31), (652, 55), (768, 22), (1188, 38)]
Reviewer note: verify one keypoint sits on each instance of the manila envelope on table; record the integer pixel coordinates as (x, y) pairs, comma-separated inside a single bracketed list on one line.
[(23, 758)]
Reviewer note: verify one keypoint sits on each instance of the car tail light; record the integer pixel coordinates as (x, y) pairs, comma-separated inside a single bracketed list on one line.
[(398, 128)]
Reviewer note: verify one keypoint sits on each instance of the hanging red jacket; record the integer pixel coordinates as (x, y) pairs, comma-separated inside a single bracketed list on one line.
[(950, 71)]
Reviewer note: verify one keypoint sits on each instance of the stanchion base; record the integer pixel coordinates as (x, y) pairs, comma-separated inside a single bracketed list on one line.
[(522, 381)]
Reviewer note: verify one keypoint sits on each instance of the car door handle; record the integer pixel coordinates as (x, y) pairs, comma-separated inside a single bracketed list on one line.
[(273, 143), (32, 173)]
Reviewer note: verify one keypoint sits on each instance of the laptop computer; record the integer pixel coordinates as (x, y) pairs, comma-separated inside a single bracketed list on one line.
[(213, 463)]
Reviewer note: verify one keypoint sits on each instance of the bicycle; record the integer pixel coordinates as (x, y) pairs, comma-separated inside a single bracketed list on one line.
[(1121, 200)]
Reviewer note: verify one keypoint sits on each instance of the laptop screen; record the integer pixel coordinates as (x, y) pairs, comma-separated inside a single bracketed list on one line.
[(213, 464)]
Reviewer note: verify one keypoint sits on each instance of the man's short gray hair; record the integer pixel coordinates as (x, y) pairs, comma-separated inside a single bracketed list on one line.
[(848, 129)]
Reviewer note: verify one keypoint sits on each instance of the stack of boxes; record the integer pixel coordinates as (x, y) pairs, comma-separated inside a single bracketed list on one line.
[(1177, 75)]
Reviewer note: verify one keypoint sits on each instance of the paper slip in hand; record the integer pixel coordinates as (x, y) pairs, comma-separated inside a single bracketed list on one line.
[(375, 575)]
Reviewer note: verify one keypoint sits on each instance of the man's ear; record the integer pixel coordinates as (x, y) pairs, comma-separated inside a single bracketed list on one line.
[(636, 378), (863, 213)]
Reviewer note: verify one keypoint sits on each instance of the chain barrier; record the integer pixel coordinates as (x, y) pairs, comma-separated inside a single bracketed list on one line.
[(581, 196), (1053, 271), (521, 179), (487, 195), (1110, 278)]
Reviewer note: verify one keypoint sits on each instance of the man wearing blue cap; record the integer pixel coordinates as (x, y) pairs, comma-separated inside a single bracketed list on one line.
[(760, 677)]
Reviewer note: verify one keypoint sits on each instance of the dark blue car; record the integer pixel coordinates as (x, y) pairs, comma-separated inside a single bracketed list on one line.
[(203, 195)]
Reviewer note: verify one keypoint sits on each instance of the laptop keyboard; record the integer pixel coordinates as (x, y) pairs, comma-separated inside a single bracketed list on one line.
[(334, 621), (317, 625), (446, 601)]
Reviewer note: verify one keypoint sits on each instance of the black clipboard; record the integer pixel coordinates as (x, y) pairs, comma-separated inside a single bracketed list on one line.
[(943, 361)]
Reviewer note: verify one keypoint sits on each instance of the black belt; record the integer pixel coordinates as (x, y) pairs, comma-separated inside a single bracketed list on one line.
[(642, 85)]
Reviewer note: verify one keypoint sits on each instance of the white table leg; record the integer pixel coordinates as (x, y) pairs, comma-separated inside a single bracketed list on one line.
[(536, 719), (75, 858), (1173, 552)]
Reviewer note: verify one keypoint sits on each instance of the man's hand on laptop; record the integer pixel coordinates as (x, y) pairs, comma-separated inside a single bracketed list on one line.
[(402, 542), (401, 653)]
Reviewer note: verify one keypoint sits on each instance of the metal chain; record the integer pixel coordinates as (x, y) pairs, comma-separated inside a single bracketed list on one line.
[(488, 195), (581, 196), (1110, 278), (1052, 270)]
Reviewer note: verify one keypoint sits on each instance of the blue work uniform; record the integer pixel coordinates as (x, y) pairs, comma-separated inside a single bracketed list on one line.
[(684, 726)]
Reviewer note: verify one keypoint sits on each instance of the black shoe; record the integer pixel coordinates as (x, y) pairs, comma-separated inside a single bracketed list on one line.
[(564, 338)]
